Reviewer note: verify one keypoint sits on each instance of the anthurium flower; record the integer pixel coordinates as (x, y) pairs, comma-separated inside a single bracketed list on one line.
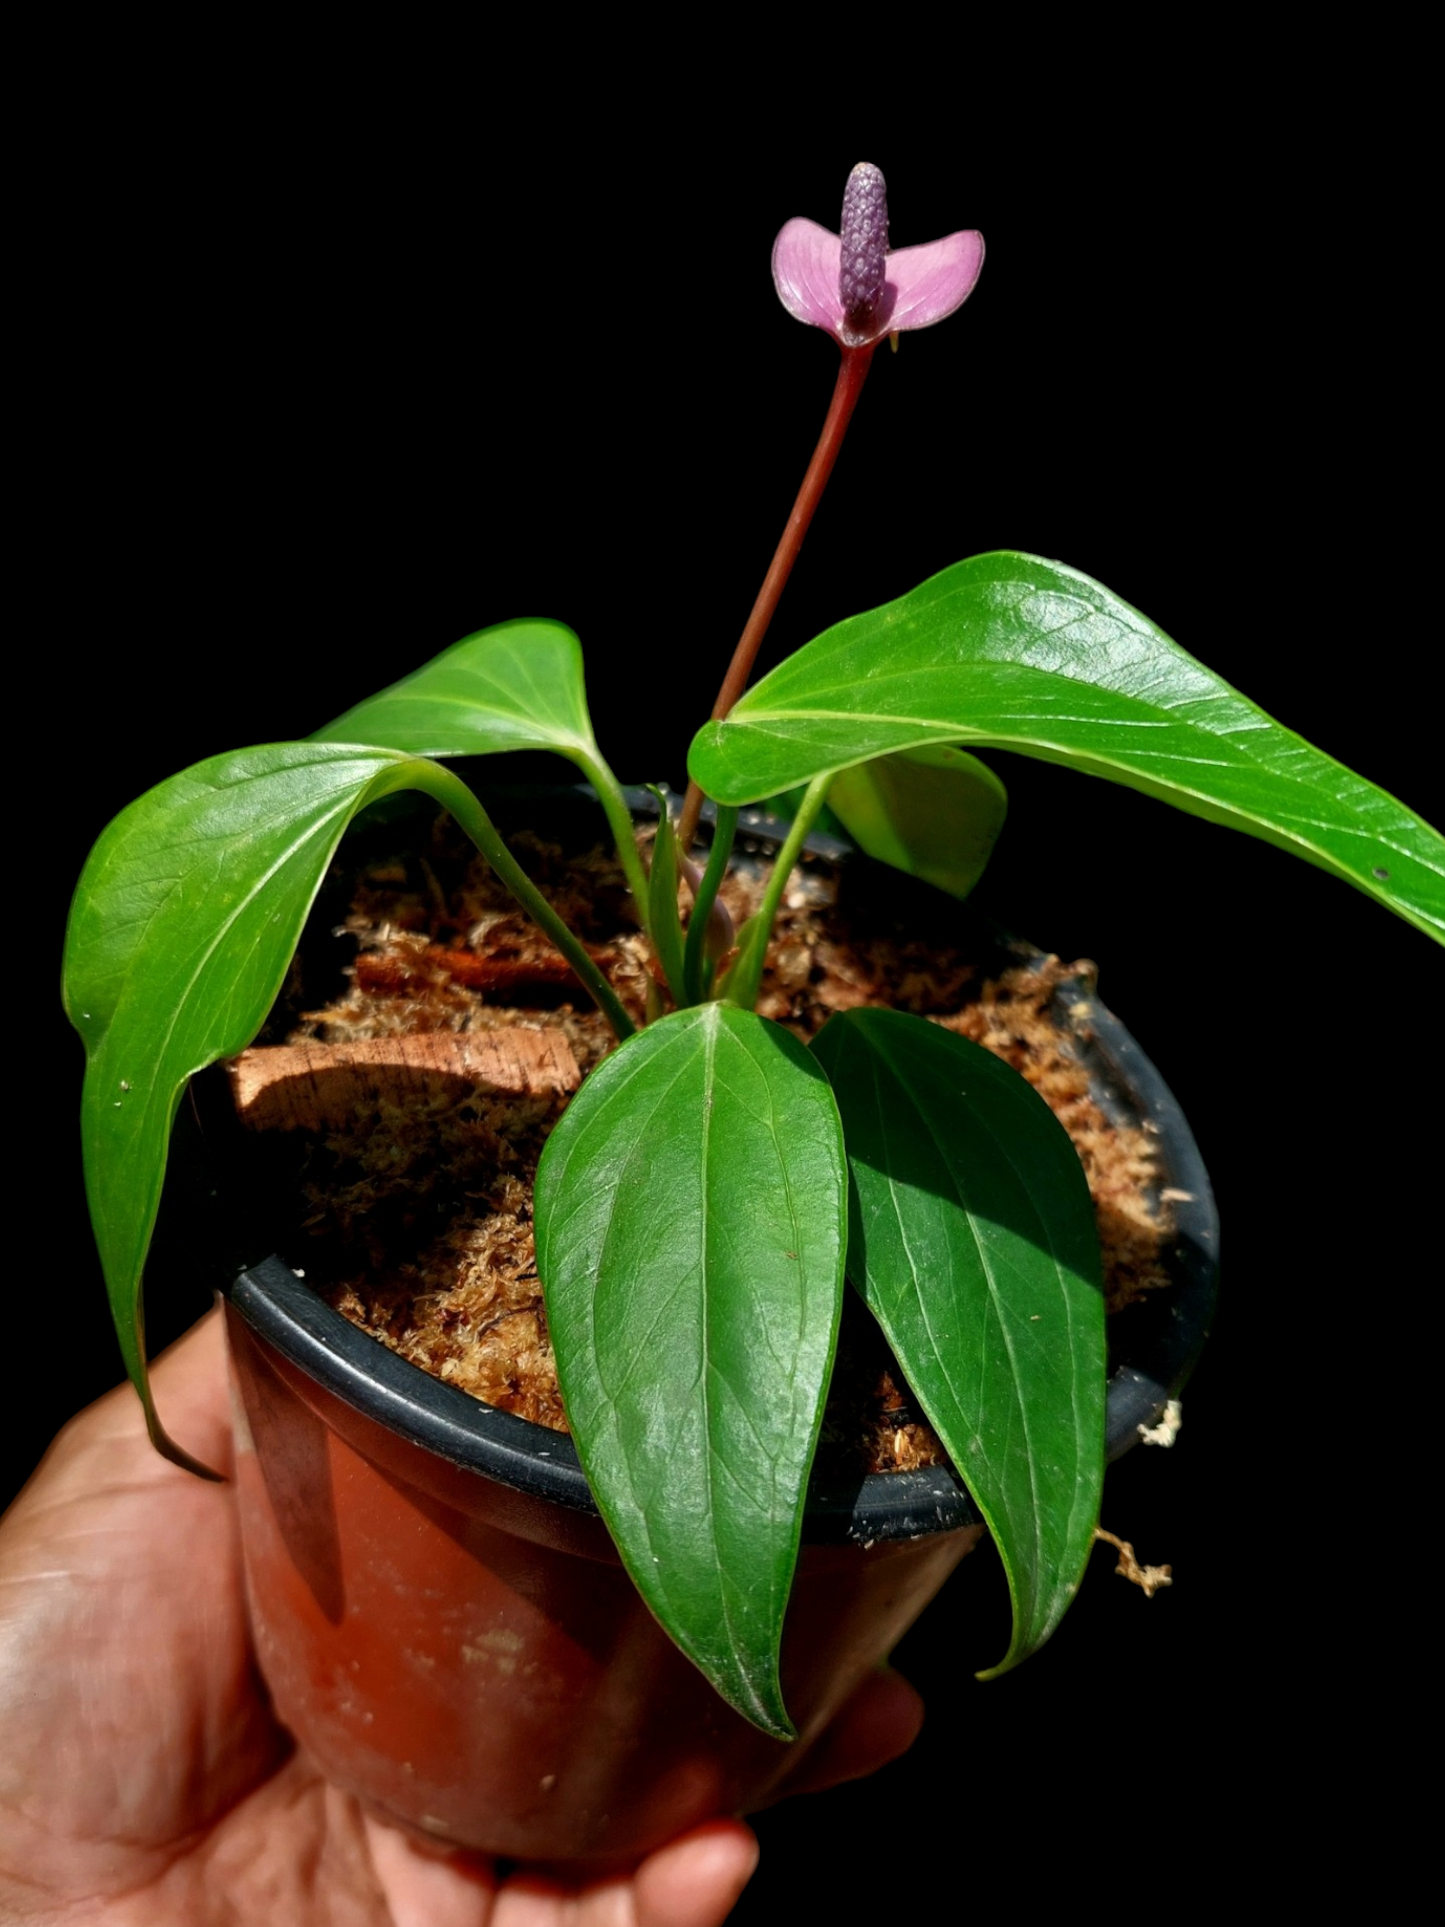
[(850, 284)]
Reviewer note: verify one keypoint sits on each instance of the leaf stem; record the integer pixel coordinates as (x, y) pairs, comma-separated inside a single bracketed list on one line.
[(662, 904), (746, 975), (852, 372), (705, 897), (619, 819), (452, 792)]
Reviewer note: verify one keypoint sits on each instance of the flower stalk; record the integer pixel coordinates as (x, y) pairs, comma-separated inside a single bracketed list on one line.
[(853, 286), (852, 373)]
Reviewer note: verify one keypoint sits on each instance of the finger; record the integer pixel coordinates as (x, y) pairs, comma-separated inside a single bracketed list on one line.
[(880, 1722), (425, 1887), (696, 1881)]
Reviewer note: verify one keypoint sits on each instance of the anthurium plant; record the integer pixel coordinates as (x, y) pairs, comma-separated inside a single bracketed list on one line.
[(714, 1187)]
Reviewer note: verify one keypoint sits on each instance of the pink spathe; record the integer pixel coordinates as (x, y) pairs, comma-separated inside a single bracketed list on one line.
[(921, 285)]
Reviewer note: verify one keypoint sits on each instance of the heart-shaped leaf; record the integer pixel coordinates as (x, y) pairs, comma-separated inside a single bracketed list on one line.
[(184, 922), (1029, 655), (971, 1235), (518, 685), (934, 812), (690, 1228)]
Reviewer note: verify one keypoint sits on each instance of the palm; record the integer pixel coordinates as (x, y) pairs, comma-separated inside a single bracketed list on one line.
[(144, 1777)]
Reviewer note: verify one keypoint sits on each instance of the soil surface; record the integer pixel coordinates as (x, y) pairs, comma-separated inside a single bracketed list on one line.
[(416, 1219)]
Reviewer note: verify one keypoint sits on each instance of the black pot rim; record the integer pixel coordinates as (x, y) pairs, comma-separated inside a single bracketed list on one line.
[(1159, 1337)]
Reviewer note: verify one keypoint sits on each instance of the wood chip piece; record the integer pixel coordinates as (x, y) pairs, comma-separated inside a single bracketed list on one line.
[(307, 1087)]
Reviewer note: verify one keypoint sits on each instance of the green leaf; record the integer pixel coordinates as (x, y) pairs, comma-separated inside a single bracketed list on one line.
[(690, 1228), (1028, 655), (184, 922), (516, 686), (934, 812), (971, 1235)]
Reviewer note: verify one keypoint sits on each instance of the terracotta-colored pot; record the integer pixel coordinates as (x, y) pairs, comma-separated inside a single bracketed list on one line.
[(443, 1621)]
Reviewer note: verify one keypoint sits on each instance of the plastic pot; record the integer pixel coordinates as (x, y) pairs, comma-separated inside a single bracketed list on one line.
[(444, 1624), (446, 1628)]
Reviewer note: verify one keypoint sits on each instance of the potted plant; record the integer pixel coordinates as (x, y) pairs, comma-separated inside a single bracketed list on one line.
[(985, 633)]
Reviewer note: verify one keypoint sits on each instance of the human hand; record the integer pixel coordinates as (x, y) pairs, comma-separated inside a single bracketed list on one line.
[(144, 1777)]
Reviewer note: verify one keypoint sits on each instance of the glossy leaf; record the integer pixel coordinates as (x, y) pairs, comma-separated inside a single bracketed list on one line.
[(934, 812), (518, 685), (184, 922), (1029, 655), (690, 1229), (972, 1237)]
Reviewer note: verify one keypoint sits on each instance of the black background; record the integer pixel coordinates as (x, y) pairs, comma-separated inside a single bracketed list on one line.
[(331, 385)]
